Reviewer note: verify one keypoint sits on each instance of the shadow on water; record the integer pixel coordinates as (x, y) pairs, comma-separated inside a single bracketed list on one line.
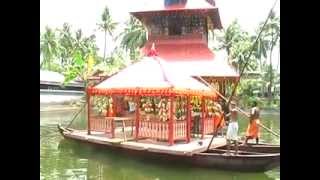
[(65, 159)]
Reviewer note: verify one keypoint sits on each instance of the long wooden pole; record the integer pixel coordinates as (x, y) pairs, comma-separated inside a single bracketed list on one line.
[(76, 115), (89, 104), (251, 50)]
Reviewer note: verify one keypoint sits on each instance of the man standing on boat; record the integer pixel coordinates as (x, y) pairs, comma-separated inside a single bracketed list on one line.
[(253, 130), (233, 127)]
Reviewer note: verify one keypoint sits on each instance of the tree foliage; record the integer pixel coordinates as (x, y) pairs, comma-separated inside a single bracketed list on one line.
[(133, 37), (238, 44)]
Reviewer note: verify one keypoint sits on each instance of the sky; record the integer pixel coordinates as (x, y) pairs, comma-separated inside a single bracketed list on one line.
[(85, 14)]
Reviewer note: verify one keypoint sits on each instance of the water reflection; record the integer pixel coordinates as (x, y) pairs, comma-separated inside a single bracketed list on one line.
[(105, 163), (64, 159)]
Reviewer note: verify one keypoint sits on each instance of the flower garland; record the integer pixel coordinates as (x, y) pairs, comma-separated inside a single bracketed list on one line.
[(163, 110)]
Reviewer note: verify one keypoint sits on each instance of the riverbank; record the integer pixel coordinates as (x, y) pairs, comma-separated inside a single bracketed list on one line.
[(263, 103), (58, 107)]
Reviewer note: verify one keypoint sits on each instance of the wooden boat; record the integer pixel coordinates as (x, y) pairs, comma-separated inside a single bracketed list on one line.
[(255, 158)]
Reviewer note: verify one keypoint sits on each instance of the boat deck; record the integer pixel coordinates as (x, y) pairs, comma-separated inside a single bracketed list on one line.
[(179, 148)]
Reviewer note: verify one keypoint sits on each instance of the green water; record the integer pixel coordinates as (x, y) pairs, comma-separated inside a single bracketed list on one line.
[(62, 159)]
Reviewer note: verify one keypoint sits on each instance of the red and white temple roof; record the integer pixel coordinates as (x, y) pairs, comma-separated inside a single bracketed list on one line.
[(151, 76), (194, 59)]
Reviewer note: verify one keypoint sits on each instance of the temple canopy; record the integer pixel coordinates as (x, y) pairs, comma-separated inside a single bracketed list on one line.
[(151, 76)]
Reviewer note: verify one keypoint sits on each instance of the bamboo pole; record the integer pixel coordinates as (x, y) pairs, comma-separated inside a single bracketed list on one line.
[(251, 50), (89, 104), (76, 115)]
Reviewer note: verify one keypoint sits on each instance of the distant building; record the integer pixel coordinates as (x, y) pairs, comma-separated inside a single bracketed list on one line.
[(54, 81)]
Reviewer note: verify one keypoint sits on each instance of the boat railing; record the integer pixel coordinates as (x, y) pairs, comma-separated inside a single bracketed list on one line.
[(154, 129), (160, 130), (208, 125), (101, 124), (179, 129)]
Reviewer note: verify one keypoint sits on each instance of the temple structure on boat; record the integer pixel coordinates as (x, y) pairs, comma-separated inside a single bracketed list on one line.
[(159, 97), (154, 83)]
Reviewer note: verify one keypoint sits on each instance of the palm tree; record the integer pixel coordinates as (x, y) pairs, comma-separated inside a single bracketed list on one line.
[(89, 45), (48, 47), (66, 44), (260, 49), (237, 44), (273, 32), (233, 34), (133, 37), (107, 26)]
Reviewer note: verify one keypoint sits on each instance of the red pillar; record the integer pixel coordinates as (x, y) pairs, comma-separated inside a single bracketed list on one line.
[(112, 128), (137, 116), (113, 114), (114, 105), (224, 87), (220, 86), (202, 116), (171, 141), (88, 108), (188, 119)]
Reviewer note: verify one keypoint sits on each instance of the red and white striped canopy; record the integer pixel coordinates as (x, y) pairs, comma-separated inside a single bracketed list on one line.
[(151, 76)]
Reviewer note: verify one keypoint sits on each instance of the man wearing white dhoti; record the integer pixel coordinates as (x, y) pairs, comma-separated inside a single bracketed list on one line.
[(233, 127)]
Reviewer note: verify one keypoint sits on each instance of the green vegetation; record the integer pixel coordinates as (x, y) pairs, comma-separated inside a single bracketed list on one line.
[(75, 56), (237, 43)]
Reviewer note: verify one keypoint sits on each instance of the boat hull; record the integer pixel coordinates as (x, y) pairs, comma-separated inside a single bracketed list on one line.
[(246, 163)]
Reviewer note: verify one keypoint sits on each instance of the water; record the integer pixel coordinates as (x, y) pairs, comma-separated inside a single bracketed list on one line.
[(62, 159)]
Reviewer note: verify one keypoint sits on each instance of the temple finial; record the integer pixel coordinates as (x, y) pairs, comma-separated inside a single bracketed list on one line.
[(153, 51)]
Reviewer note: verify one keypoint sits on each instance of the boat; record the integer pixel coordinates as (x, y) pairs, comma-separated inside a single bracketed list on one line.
[(250, 158)]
